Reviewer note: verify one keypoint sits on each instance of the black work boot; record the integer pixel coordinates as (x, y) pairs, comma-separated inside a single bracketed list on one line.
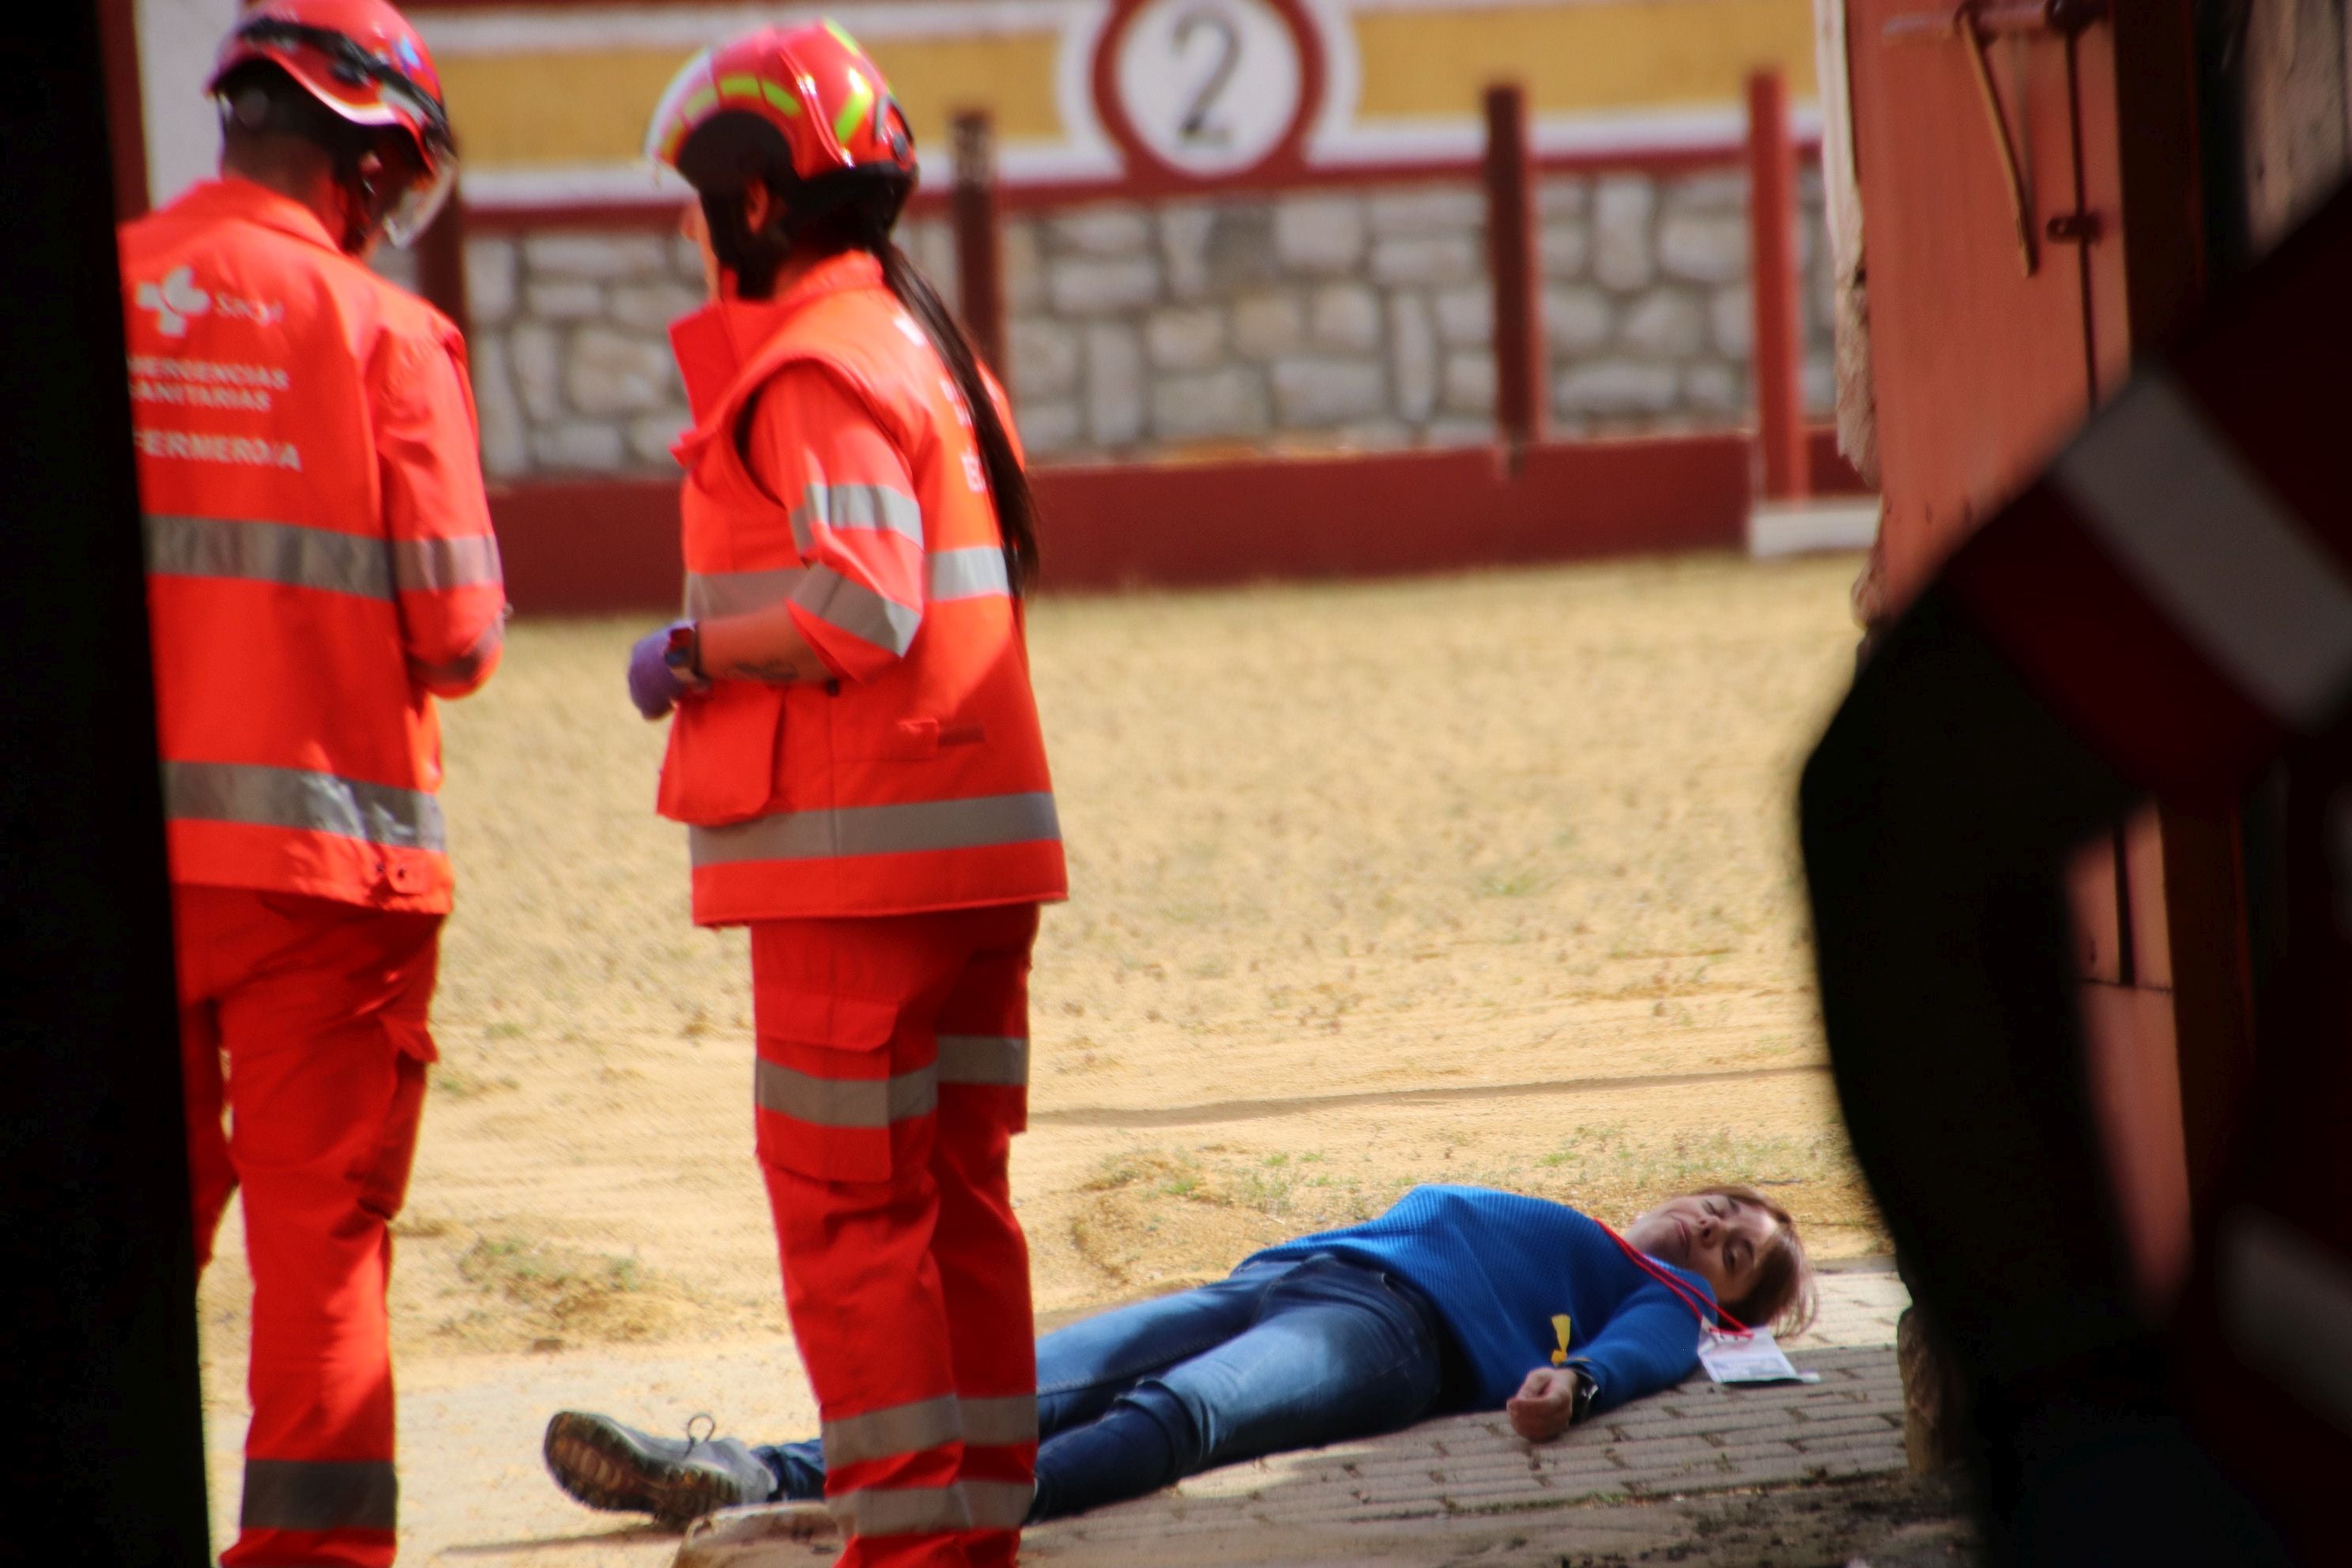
[(678, 1480)]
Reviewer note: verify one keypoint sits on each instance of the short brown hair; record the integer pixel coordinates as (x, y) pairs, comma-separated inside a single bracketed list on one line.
[(1782, 1298)]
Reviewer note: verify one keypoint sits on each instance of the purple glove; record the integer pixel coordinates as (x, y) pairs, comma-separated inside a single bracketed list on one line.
[(655, 685)]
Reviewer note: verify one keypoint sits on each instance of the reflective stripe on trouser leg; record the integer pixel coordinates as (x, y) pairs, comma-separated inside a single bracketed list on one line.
[(867, 1310), (326, 1044), (860, 1002), (983, 1257)]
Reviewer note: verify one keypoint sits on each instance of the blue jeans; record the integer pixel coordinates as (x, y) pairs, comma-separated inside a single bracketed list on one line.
[(1278, 1355)]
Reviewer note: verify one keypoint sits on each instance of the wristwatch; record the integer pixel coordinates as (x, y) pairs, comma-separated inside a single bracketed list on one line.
[(683, 654), (1585, 1389)]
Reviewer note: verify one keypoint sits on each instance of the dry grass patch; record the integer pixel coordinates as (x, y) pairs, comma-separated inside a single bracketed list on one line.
[(527, 1291)]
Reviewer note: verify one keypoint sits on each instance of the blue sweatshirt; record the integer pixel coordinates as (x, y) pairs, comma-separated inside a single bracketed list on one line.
[(1499, 1267)]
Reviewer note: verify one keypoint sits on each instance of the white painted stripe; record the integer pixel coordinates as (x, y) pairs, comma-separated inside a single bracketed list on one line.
[(630, 184), (1343, 72), (2205, 539), (1454, 140), (2286, 1307), (1796, 527), (1089, 144), (521, 186)]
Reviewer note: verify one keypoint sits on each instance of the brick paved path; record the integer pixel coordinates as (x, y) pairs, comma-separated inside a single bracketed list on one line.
[(1465, 1488), (1700, 1437), (474, 1492)]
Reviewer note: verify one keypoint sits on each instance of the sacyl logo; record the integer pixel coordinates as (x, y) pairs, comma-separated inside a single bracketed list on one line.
[(174, 301)]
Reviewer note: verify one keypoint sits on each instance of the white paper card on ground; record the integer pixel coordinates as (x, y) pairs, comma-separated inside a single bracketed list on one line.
[(1756, 1359)]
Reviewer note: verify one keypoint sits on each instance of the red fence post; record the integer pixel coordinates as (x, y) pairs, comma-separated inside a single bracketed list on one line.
[(979, 247), (441, 262), (1511, 262), (1772, 279)]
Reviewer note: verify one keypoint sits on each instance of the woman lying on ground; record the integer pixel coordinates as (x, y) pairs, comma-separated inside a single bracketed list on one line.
[(1458, 1298)]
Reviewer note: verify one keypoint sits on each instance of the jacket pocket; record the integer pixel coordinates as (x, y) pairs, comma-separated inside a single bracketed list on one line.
[(724, 749)]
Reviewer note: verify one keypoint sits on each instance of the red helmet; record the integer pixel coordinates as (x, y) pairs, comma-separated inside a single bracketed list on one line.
[(807, 95), (362, 59)]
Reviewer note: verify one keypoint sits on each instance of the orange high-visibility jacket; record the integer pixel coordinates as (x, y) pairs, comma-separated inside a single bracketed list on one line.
[(320, 559), (915, 779)]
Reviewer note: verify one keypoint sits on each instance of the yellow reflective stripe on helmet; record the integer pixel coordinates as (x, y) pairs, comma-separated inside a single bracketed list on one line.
[(861, 99), (699, 102), (838, 31), (742, 86), (784, 103)]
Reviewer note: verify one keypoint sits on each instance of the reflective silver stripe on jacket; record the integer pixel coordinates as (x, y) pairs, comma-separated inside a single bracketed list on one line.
[(901, 1511), (309, 802), (436, 565), (998, 1505), (873, 1102), (854, 607), (739, 592), (980, 822), (975, 573), (876, 507), (284, 552), (999, 1423), (319, 1494), (999, 1059), (899, 1430)]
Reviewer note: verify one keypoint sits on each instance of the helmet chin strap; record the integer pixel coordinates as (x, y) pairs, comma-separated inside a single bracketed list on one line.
[(364, 204)]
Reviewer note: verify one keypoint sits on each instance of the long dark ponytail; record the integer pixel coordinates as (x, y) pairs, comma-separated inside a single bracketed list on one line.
[(860, 214)]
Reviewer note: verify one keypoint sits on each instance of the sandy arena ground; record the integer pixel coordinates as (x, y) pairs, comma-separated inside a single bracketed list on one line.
[(1489, 878)]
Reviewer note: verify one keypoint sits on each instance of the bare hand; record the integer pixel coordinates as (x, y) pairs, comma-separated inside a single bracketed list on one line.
[(1545, 1404)]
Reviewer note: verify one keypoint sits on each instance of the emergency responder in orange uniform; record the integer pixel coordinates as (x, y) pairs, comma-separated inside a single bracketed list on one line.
[(856, 753), (319, 565)]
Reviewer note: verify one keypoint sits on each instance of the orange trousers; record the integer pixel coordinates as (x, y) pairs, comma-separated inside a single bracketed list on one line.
[(304, 1020), (893, 1073)]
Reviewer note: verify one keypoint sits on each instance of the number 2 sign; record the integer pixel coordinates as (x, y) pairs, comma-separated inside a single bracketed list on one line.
[(1208, 88)]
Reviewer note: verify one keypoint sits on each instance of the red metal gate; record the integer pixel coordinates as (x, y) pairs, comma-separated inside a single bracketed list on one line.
[(2031, 220)]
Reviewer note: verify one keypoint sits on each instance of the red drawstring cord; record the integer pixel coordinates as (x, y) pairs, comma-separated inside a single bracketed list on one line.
[(1699, 1306)]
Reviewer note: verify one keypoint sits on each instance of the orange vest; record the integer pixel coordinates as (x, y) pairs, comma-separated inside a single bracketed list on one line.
[(319, 550), (923, 785)]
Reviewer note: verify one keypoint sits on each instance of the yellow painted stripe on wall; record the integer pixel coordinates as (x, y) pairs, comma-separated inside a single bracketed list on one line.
[(1635, 54), (589, 107)]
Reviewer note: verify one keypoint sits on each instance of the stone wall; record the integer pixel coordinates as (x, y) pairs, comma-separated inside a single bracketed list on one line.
[(1313, 320)]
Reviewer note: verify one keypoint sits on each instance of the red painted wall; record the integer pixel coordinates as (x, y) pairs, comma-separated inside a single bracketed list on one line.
[(596, 545)]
